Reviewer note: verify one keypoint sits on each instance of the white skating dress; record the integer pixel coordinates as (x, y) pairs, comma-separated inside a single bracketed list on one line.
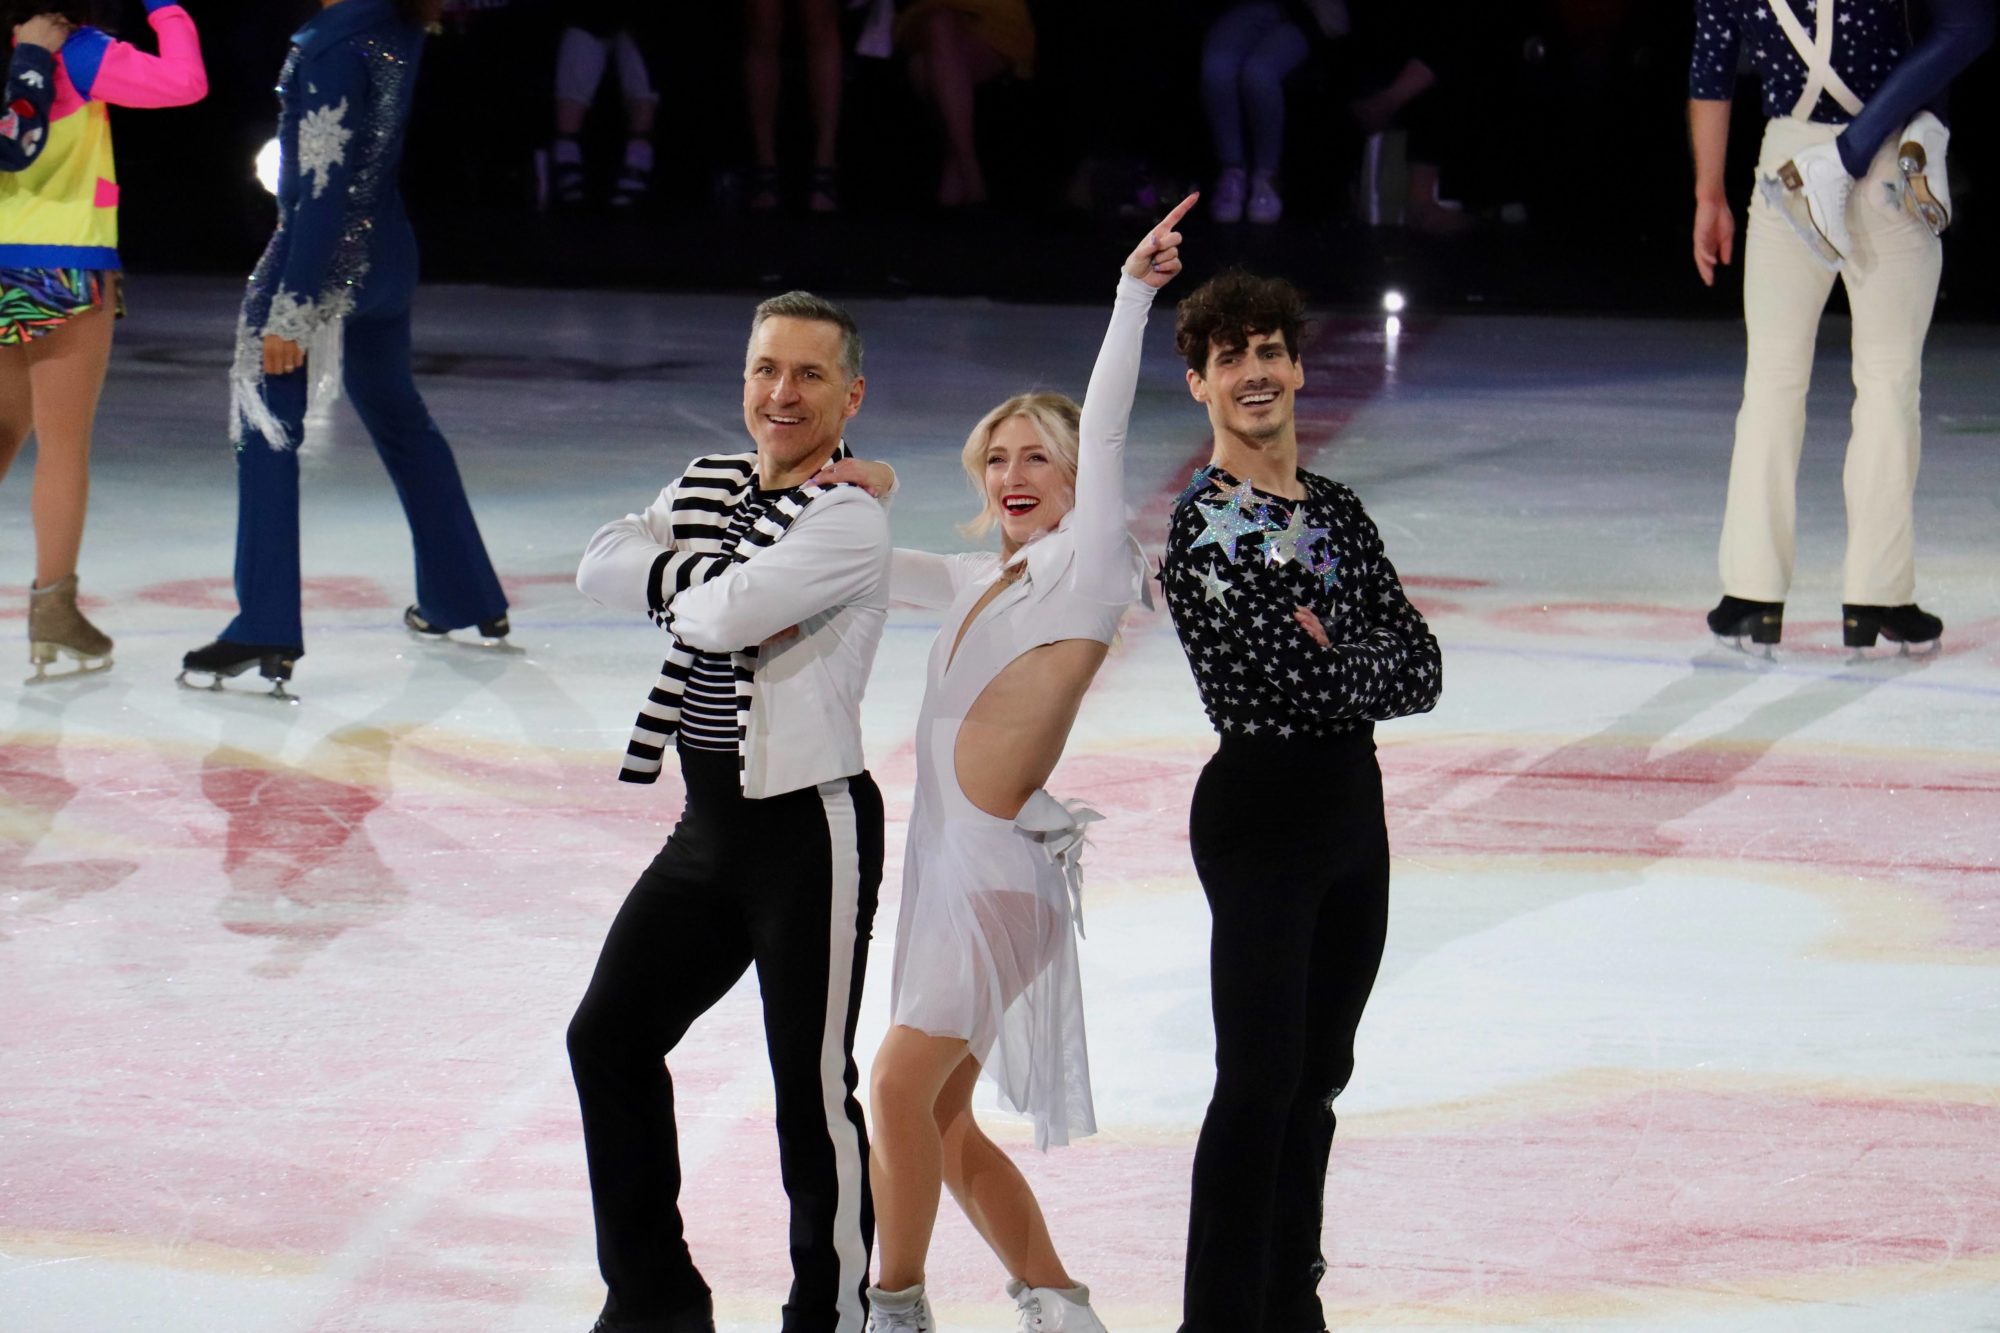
[(986, 944)]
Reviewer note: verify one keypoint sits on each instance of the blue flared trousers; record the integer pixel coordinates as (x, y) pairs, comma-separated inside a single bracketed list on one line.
[(456, 585)]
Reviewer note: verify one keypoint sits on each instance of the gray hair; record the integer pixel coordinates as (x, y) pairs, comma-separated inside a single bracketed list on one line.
[(804, 305)]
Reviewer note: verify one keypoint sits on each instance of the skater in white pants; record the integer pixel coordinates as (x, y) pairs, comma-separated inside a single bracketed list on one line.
[(1815, 82)]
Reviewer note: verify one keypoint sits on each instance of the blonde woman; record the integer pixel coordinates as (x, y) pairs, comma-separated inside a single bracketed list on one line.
[(986, 978)]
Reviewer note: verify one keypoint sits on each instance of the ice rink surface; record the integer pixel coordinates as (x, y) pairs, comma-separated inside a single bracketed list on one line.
[(1691, 1013)]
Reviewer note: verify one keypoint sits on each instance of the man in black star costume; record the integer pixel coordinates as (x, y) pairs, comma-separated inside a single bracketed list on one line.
[(1301, 640)]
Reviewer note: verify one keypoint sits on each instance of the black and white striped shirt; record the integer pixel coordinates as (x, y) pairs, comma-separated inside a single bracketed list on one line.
[(709, 705)]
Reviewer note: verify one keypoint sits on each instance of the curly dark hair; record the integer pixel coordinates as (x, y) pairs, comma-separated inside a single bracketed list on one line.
[(1224, 312)]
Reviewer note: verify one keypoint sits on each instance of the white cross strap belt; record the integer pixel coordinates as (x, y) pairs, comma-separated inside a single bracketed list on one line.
[(1058, 826), (1817, 53)]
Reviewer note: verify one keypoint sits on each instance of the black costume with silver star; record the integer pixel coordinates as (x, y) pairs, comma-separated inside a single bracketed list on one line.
[(1288, 836), (1239, 561)]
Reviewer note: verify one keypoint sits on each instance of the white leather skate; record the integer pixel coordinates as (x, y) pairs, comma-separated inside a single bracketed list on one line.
[(1811, 193), (1049, 1310), (1926, 192), (906, 1311)]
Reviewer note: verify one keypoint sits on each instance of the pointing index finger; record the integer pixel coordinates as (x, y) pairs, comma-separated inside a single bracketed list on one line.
[(1180, 211)]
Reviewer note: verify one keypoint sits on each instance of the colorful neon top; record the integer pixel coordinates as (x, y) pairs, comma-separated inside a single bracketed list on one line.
[(61, 210)]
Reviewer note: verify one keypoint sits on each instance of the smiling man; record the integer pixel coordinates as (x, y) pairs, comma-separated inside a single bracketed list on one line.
[(1301, 640), (774, 591)]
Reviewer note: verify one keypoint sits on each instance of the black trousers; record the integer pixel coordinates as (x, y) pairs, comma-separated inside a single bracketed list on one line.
[(1289, 841), (788, 883)]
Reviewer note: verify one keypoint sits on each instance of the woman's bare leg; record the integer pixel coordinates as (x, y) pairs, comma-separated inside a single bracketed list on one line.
[(66, 373), (762, 74), (956, 62), (990, 1189), (905, 1157), (17, 404), (825, 68)]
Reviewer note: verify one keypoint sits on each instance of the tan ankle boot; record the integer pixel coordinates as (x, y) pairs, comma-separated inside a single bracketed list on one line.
[(56, 627)]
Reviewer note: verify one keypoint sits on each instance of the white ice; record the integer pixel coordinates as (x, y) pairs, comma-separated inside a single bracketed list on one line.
[(1689, 1018)]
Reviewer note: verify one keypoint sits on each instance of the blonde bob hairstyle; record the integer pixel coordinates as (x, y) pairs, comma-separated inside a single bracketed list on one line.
[(1054, 417)]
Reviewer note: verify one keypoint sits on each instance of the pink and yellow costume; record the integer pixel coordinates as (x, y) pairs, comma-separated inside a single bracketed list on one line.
[(59, 213)]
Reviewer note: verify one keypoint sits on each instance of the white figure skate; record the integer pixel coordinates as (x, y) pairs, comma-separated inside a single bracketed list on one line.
[(1925, 192), (1811, 192)]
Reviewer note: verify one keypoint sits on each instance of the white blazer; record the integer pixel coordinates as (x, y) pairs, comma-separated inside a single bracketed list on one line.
[(828, 575)]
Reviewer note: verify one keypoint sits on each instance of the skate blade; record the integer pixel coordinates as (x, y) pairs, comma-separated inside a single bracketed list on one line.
[(215, 686), (85, 666), (1741, 643), (1924, 206), (1792, 208), (481, 642), (1894, 650)]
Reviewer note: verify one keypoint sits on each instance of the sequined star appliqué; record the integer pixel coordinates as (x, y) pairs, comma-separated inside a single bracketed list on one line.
[(1225, 523)]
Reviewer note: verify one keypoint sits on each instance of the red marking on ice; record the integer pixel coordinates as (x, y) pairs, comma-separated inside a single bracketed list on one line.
[(1444, 583), (1920, 825), (301, 867), (318, 594), (1672, 1189), (1628, 620), (1924, 825), (35, 791), (1433, 608)]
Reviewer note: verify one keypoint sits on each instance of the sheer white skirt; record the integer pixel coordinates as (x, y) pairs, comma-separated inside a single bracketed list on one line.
[(986, 950)]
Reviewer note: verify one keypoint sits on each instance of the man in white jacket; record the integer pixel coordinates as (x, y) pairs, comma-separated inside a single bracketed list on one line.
[(774, 591)]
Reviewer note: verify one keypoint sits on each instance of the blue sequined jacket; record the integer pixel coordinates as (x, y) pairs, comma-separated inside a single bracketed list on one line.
[(343, 245)]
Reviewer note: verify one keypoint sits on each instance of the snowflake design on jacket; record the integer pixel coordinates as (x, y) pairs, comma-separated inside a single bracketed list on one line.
[(298, 319), (323, 136)]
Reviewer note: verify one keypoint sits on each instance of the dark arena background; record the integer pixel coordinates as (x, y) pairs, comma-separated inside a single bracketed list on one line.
[(1689, 1015)]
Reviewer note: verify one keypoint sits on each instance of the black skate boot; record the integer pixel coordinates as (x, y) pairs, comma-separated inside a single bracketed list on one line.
[(491, 632), (1735, 619), (222, 658), (697, 1318), (1907, 624)]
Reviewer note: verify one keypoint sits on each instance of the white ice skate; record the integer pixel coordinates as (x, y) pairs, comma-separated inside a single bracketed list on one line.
[(905, 1311), (1925, 191), (1053, 1310), (1811, 192)]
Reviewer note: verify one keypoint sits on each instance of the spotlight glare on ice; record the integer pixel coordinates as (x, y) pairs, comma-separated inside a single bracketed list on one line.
[(1393, 327), (266, 166), (1393, 302)]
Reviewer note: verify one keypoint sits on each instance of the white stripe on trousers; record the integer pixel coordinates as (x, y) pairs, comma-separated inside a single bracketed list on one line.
[(843, 923), (1892, 282)]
